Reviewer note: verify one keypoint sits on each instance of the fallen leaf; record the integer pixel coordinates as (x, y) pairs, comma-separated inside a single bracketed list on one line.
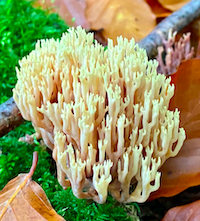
[(129, 18), (24, 199), (72, 11), (158, 9), (183, 171), (180, 172), (187, 96), (173, 5), (189, 212)]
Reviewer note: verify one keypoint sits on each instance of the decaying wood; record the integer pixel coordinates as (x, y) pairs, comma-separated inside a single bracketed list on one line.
[(176, 21), (10, 116)]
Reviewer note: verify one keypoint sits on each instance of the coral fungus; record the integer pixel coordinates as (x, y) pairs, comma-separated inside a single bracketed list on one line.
[(104, 113), (175, 53)]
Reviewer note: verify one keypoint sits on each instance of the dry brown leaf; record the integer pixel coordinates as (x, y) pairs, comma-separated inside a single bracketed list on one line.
[(189, 212), (68, 9), (129, 18), (183, 171), (23, 199), (158, 9), (173, 5), (180, 172), (187, 96)]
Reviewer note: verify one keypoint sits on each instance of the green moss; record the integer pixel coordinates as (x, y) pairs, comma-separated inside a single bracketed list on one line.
[(20, 27)]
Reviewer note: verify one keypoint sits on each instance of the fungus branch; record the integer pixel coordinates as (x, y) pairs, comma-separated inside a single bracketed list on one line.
[(103, 113)]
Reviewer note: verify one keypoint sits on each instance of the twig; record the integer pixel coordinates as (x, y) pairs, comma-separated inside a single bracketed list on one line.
[(175, 21), (10, 116)]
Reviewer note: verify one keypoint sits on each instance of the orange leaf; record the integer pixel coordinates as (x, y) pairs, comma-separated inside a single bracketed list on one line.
[(158, 9), (187, 96), (129, 18), (189, 212), (23, 199), (173, 5), (180, 172), (183, 171)]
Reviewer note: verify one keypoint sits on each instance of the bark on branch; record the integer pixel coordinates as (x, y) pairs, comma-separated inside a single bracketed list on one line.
[(10, 116), (176, 21)]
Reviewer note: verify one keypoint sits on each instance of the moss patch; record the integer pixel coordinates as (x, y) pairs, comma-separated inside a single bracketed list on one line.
[(20, 27)]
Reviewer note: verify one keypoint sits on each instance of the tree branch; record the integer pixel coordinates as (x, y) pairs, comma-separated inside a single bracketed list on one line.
[(175, 21), (10, 116)]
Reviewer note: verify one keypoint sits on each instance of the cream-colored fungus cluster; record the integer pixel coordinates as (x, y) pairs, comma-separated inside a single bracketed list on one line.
[(104, 113)]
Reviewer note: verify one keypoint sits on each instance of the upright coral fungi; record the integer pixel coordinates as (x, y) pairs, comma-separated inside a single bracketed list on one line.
[(104, 113), (176, 52)]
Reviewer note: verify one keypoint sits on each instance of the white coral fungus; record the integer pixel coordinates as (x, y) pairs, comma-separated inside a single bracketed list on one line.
[(104, 113)]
